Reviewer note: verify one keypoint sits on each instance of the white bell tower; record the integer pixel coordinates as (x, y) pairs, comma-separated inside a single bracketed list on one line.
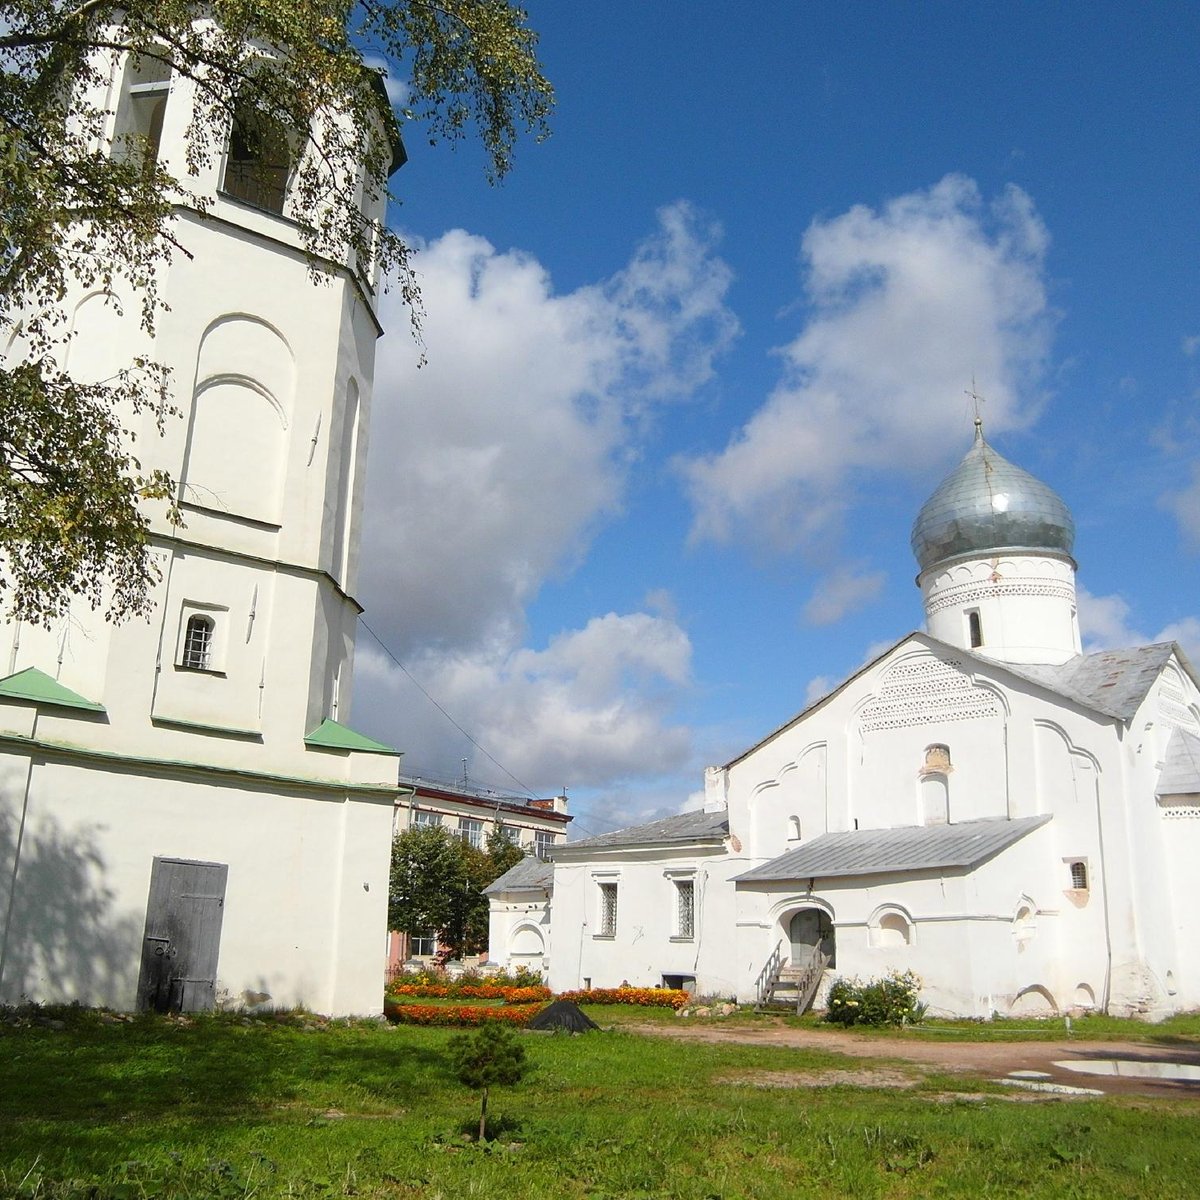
[(214, 733)]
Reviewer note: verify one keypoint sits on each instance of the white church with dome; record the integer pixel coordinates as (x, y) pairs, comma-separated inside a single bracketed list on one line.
[(1014, 820)]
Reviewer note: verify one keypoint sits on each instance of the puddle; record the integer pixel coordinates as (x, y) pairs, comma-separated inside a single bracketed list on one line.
[(1054, 1089), (1133, 1069)]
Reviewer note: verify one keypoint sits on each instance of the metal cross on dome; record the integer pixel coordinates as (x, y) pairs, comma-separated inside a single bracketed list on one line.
[(976, 401)]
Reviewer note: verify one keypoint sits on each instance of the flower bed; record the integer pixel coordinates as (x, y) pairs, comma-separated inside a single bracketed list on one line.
[(647, 997), (459, 1014), (471, 991)]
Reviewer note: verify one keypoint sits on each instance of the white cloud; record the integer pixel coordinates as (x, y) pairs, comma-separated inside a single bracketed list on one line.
[(1185, 505), (491, 468), (818, 686), (593, 706), (398, 90), (1105, 624), (1190, 344), (842, 591), (907, 304), (1187, 633)]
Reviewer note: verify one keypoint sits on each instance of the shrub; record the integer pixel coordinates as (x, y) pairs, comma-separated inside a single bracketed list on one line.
[(891, 1000)]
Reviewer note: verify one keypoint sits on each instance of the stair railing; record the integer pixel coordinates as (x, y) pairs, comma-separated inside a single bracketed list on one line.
[(807, 984), (764, 985)]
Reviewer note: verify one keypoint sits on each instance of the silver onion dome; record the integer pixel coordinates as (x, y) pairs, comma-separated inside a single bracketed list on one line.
[(987, 505)]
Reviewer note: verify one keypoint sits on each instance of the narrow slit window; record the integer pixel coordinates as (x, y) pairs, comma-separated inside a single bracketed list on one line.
[(975, 628), (197, 643)]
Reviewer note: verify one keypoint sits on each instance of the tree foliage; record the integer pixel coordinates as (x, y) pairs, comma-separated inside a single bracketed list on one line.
[(78, 212), (489, 1057), (437, 884)]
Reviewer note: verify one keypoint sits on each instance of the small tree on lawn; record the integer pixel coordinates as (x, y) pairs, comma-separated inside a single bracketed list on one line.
[(489, 1057)]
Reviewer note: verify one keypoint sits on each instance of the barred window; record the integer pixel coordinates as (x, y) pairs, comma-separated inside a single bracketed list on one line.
[(197, 643), (258, 160), (1079, 875), (685, 908), (608, 909)]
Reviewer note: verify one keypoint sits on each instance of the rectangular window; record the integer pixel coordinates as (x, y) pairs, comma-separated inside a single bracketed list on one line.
[(542, 841), (511, 834), (471, 832), (423, 817), (685, 908), (608, 909), (422, 944)]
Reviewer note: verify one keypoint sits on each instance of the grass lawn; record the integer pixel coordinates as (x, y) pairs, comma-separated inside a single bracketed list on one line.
[(229, 1107)]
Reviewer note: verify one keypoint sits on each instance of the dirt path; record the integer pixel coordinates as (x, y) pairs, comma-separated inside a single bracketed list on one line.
[(989, 1060)]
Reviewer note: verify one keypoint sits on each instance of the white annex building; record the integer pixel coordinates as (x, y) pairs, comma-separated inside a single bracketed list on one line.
[(185, 818), (1014, 820)]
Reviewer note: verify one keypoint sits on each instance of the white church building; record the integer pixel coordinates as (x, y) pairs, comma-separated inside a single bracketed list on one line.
[(983, 804), (186, 818)]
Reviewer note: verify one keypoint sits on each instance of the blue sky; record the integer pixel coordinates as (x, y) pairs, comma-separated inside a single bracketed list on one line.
[(694, 366)]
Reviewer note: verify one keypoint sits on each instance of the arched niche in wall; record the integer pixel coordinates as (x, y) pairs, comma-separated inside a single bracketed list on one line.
[(100, 347), (890, 926), (1065, 772), (241, 411)]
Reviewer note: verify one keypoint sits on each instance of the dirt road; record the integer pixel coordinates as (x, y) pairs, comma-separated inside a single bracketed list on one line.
[(989, 1060)]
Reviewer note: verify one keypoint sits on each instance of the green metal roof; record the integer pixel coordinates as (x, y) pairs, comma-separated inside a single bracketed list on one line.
[(37, 687), (329, 735)]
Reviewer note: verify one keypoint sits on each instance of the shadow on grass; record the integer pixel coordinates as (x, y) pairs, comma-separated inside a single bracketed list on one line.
[(100, 1068)]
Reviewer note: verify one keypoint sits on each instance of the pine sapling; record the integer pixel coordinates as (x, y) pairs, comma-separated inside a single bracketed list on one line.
[(488, 1057)]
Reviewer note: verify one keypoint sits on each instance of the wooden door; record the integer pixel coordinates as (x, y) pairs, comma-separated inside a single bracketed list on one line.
[(183, 936), (809, 929)]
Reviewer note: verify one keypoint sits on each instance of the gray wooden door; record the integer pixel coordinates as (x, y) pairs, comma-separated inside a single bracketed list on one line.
[(183, 936), (809, 929)]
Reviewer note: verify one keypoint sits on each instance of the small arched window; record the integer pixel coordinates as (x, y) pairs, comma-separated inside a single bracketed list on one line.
[(1079, 875), (793, 829), (974, 628), (258, 165), (197, 643)]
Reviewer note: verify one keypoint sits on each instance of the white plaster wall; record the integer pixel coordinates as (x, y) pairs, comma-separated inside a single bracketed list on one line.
[(519, 930), (1026, 604), (305, 903), (645, 946)]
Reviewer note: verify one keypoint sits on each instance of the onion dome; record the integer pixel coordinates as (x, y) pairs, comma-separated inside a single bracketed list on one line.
[(987, 506)]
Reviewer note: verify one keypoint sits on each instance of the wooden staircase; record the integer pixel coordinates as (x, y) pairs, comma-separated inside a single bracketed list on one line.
[(786, 984)]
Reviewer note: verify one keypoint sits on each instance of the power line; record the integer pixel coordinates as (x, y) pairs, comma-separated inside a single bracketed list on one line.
[(416, 683)]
